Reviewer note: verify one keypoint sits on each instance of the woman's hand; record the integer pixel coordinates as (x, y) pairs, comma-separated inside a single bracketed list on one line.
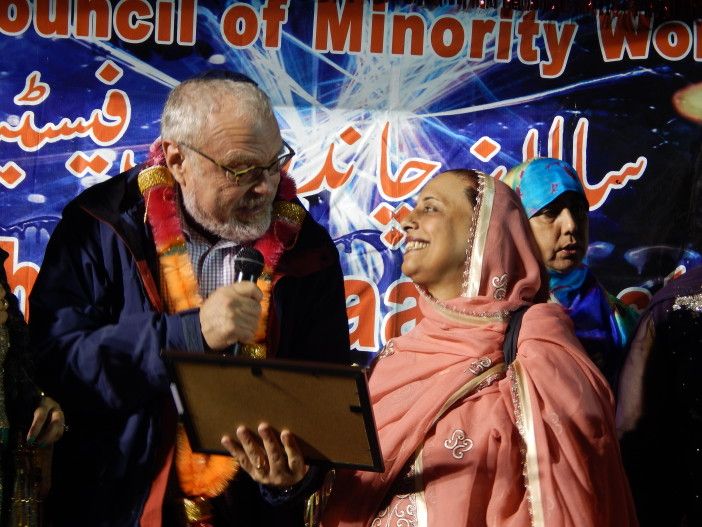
[(48, 424), (268, 459)]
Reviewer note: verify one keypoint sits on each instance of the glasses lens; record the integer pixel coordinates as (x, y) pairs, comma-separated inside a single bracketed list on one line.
[(285, 159), (256, 174), (252, 175)]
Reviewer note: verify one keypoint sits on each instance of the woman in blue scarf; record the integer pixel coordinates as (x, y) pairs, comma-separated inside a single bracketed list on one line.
[(555, 203)]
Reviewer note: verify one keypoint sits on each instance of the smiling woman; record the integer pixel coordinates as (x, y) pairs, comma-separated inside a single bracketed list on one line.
[(467, 439)]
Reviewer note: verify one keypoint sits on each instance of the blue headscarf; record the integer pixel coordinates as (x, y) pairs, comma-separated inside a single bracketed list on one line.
[(539, 181)]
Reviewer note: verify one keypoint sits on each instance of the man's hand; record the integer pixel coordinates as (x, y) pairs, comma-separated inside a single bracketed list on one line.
[(230, 314), (48, 423), (269, 459)]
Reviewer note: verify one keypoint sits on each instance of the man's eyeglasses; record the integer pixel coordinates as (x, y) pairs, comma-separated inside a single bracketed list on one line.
[(251, 175)]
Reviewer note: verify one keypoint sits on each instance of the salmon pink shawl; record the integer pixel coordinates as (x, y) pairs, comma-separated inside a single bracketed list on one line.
[(479, 443)]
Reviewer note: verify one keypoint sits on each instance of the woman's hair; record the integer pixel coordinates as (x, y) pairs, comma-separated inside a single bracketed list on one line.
[(472, 177), (191, 103)]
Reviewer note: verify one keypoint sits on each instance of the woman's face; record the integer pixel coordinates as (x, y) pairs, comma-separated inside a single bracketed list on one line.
[(561, 231), (437, 236)]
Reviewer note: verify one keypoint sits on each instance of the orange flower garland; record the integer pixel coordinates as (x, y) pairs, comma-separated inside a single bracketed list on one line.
[(205, 476)]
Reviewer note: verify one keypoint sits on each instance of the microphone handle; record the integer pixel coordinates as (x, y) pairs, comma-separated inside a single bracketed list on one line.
[(235, 349)]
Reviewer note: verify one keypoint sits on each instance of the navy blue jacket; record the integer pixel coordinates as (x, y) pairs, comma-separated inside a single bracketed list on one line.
[(95, 316)]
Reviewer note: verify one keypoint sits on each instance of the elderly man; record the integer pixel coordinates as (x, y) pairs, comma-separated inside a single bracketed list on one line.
[(142, 263)]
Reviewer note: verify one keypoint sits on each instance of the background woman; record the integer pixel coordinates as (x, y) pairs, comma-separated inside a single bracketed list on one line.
[(466, 439), (555, 203), (660, 403), (28, 419)]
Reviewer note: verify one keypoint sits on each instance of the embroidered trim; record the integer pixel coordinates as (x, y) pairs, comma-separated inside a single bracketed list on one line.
[(500, 285), (524, 420), (690, 302), (479, 366), (388, 350), (471, 232), (465, 315), (468, 388)]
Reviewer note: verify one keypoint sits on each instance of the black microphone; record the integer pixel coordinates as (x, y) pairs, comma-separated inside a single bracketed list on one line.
[(248, 264)]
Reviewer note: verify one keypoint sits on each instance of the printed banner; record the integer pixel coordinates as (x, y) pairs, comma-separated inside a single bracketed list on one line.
[(375, 97)]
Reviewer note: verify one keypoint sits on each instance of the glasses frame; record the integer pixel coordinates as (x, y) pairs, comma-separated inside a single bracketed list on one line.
[(235, 175)]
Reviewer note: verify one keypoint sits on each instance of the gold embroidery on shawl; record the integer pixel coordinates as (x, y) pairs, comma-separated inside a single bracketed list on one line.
[(471, 284), (525, 424), (464, 315), (458, 444), (422, 511), (468, 388), (500, 285), (405, 504)]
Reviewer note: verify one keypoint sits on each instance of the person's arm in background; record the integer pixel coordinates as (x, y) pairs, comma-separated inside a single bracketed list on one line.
[(631, 380), (38, 416)]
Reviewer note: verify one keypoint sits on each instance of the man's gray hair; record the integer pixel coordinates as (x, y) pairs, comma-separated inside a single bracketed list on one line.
[(191, 103)]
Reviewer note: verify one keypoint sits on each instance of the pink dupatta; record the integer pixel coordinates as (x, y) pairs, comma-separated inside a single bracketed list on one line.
[(534, 446)]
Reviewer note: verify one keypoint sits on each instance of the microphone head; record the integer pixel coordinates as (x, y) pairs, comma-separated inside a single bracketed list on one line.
[(248, 263)]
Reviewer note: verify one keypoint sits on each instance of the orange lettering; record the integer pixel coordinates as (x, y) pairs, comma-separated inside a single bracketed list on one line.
[(617, 33), (104, 126), (15, 17), (555, 138), (186, 22), (328, 176), (457, 37), (35, 91), (672, 40), (11, 175), (503, 53), (362, 303), (47, 25), (93, 19), (527, 30), (240, 25), (20, 276), (412, 174), (558, 49), (274, 15), (345, 30), (401, 297), (481, 29), (164, 22), (129, 30), (530, 144), (110, 124), (377, 38), (597, 194), (415, 25)]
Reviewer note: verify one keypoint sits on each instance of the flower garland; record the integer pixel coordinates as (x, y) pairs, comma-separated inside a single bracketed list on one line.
[(205, 476)]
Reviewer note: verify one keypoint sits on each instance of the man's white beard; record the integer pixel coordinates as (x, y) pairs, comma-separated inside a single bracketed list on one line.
[(233, 229)]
